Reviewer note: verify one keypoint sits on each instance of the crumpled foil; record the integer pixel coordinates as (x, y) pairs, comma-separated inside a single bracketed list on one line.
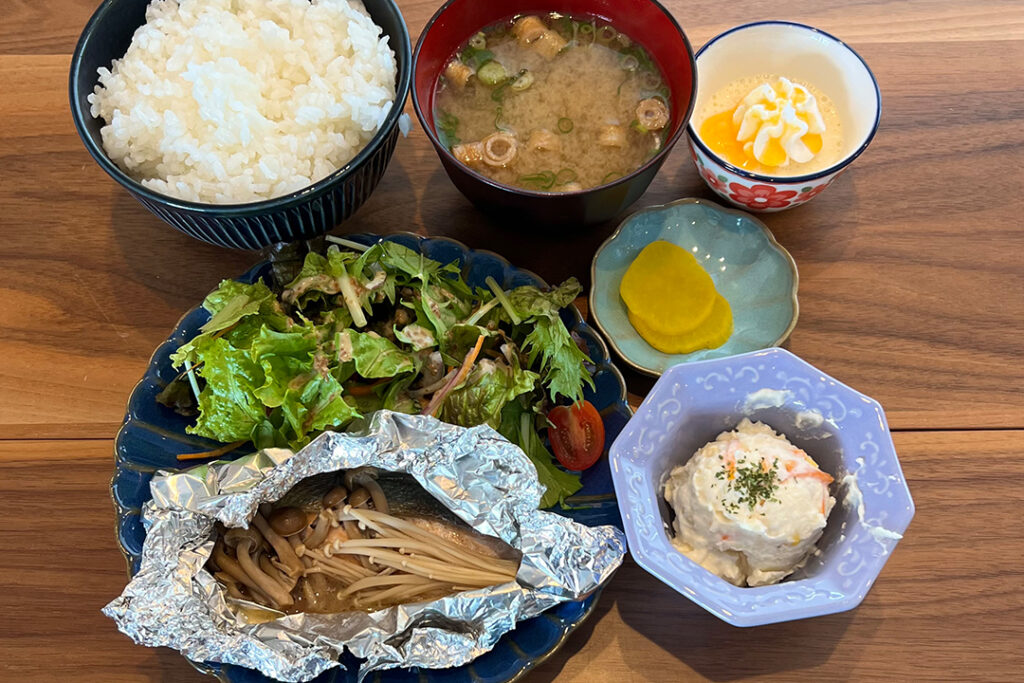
[(480, 476)]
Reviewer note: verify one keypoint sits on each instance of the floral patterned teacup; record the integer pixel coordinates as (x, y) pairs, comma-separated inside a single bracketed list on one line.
[(799, 52)]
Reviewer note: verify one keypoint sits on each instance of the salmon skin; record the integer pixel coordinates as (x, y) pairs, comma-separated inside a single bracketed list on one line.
[(406, 499)]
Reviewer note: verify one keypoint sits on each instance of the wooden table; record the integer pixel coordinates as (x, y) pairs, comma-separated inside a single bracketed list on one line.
[(912, 290)]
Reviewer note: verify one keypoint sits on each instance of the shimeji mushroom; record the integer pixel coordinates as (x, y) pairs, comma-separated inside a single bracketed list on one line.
[(359, 498), (245, 541), (321, 527), (335, 497), (234, 588), (287, 521), (347, 557), (285, 554), (232, 568), (366, 477), (270, 569)]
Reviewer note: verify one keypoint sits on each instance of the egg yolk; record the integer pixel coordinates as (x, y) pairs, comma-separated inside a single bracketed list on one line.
[(720, 134), (778, 122)]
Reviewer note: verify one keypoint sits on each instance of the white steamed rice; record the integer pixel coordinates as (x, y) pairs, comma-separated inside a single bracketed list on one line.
[(229, 101)]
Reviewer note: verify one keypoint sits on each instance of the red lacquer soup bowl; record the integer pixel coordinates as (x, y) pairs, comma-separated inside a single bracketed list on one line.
[(645, 21)]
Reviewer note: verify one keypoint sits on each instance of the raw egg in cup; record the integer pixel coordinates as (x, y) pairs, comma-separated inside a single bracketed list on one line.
[(781, 110)]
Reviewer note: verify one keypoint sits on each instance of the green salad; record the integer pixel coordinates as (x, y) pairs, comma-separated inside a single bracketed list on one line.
[(387, 327)]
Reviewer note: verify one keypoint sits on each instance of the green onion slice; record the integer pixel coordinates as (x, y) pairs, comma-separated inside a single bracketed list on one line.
[(543, 180), (650, 81), (585, 34), (565, 175), (522, 81), (491, 73), (564, 125)]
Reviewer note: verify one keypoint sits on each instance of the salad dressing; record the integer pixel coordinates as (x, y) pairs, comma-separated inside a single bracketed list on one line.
[(358, 331)]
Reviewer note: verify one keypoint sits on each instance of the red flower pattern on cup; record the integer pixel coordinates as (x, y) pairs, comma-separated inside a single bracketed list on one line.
[(812, 192), (714, 181), (760, 196)]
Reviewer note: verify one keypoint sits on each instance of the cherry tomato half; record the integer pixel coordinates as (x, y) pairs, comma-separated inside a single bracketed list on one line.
[(576, 435)]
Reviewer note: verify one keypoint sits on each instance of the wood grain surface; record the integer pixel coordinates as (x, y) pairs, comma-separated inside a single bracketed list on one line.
[(911, 290), (946, 606)]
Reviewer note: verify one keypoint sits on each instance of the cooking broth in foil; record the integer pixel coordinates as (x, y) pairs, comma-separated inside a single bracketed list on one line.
[(487, 482)]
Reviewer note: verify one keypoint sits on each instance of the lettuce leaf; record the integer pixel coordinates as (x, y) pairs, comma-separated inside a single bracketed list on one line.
[(278, 368), (318, 277), (229, 409), (376, 357), (312, 404), (416, 336), (276, 392), (459, 339), (297, 382), (518, 426), (236, 309), (444, 297), (489, 387), (345, 273)]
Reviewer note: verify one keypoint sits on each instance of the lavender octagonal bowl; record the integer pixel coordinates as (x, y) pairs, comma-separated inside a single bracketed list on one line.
[(842, 429)]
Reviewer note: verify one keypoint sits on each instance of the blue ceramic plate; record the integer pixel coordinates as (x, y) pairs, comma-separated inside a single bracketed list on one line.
[(152, 437), (750, 269)]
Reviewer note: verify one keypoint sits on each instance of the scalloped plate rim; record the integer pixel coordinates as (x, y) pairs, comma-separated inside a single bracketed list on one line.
[(654, 372), (566, 628)]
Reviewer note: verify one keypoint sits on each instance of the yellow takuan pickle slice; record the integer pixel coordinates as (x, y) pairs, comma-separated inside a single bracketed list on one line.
[(672, 301), (710, 334), (667, 288)]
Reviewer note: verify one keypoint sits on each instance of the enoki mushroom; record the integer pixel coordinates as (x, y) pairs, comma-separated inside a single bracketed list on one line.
[(350, 555)]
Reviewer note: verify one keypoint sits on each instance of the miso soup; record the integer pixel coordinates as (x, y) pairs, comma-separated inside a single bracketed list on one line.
[(552, 103)]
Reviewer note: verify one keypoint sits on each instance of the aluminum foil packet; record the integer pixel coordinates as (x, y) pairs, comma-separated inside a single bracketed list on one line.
[(483, 478)]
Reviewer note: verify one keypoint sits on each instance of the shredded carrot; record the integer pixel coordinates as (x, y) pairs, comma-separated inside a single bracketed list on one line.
[(222, 332), (816, 474), (467, 364), (804, 471), (364, 389), (730, 458), (226, 448)]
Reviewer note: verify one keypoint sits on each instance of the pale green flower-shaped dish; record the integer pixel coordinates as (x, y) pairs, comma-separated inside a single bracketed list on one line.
[(755, 274)]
